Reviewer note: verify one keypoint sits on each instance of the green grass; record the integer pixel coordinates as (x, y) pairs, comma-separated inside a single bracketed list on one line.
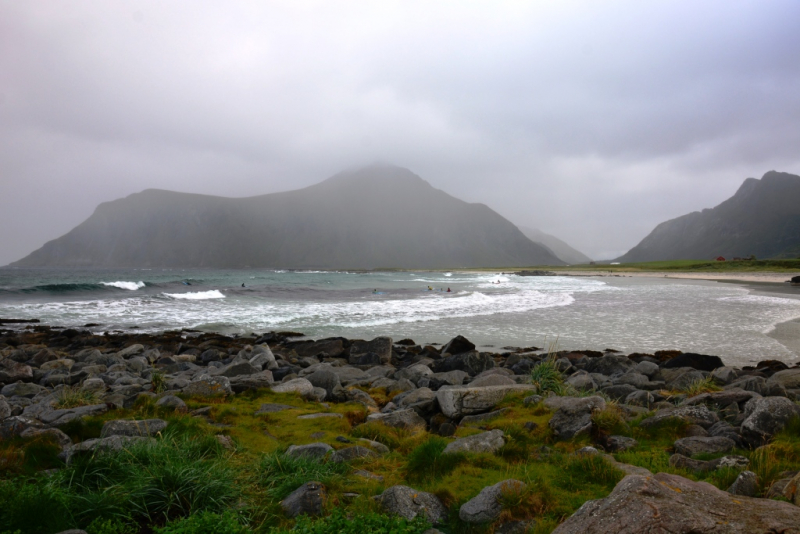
[(279, 475), (73, 397), (427, 460), (776, 265), (370, 523), (187, 483)]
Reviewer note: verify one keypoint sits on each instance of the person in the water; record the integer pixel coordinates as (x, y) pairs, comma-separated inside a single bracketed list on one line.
[(243, 284)]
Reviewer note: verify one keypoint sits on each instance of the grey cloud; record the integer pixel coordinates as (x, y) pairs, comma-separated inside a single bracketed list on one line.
[(593, 121)]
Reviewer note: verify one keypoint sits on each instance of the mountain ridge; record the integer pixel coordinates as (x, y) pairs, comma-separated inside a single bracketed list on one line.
[(762, 219), (558, 247), (376, 217)]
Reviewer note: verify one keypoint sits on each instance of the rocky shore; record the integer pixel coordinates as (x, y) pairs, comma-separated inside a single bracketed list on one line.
[(602, 407)]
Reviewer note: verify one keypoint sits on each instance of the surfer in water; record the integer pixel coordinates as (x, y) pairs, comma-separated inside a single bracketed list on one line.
[(448, 290), (243, 285)]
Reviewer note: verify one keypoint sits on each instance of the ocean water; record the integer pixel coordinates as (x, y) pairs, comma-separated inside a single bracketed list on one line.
[(491, 309)]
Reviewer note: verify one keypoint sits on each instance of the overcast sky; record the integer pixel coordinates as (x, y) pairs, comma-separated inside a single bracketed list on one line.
[(593, 121)]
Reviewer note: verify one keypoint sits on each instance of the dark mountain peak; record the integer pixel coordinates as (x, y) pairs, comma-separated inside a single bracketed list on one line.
[(376, 216), (748, 186), (762, 218), (375, 177)]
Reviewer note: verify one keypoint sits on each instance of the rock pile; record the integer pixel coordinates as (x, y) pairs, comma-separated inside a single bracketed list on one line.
[(51, 376)]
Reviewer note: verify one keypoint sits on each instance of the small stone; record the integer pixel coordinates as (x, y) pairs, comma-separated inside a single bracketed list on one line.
[(320, 416), (351, 453), (487, 506), (489, 442), (172, 402), (409, 503), (745, 484), (308, 499), (312, 451), (121, 427)]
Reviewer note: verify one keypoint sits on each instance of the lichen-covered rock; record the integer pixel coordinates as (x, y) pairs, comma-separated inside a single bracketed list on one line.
[(573, 415), (620, 443), (110, 443), (22, 389), (126, 427), (5, 409), (313, 451), (409, 503), (670, 503), (472, 362), (765, 417), (746, 484), (52, 433), (699, 445), (172, 402), (487, 505), (457, 401), (490, 442), (296, 385), (64, 416), (15, 425), (308, 499), (408, 419), (696, 415), (380, 347), (209, 386), (351, 453)]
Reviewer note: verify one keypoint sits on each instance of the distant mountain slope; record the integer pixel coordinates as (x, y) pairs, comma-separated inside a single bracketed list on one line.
[(380, 216), (762, 218), (561, 249)]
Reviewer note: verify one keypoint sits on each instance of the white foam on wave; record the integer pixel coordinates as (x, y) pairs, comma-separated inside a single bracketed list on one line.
[(131, 286), (448, 274), (199, 295)]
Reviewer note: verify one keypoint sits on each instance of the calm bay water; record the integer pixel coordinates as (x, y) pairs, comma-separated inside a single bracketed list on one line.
[(627, 314)]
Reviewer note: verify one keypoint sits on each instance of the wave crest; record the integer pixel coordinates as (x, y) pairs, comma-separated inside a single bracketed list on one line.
[(130, 286), (199, 295)]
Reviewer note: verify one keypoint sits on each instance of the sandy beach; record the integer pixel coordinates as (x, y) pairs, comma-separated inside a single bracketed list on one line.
[(763, 277)]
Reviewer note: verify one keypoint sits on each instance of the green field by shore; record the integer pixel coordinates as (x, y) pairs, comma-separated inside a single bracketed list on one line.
[(775, 266)]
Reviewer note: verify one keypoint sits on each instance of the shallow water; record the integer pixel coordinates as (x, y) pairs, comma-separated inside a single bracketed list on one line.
[(627, 314)]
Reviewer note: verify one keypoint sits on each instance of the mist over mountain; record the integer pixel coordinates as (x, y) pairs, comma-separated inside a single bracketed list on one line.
[(561, 249), (379, 216), (762, 219)]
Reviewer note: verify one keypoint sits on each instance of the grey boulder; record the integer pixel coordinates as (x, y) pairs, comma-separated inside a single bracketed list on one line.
[(703, 445), (308, 499), (487, 506), (457, 401), (408, 419), (696, 415), (746, 484), (123, 427), (671, 503), (765, 417), (490, 442), (313, 451), (409, 503), (209, 386), (573, 415), (296, 385)]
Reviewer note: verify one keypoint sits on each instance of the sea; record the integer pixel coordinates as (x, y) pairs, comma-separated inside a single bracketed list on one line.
[(492, 309)]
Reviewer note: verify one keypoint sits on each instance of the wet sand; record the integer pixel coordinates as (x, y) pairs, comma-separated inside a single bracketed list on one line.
[(765, 284), (755, 277)]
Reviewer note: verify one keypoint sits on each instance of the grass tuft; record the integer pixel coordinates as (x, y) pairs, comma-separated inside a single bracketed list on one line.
[(280, 475), (706, 385), (427, 460), (73, 397), (547, 378)]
